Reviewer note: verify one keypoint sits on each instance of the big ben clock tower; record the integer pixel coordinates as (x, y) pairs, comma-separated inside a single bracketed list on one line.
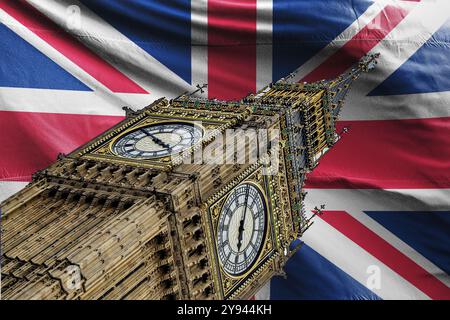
[(161, 207)]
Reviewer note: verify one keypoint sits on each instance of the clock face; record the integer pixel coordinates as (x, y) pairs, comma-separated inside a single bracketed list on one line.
[(157, 140), (241, 229)]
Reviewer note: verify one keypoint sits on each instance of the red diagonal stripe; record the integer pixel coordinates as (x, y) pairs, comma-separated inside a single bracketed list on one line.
[(387, 154), (387, 254), (71, 48), (231, 48), (361, 43)]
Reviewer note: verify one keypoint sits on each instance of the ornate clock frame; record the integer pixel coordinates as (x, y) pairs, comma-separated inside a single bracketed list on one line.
[(211, 121), (229, 285)]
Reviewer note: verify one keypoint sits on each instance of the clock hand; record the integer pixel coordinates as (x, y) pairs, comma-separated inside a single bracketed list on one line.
[(156, 140), (241, 232), (241, 223), (159, 141)]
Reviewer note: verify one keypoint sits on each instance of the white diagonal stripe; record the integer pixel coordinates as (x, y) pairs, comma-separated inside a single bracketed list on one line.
[(116, 48), (264, 292), (407, 106), (405, 39), (371, 12), (409, 36), (359, 200), (52, 53), (8, 188), (69, 101), (362, 21), (355, 261)]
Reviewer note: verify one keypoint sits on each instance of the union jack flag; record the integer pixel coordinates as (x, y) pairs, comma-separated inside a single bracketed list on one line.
[(67, 67)]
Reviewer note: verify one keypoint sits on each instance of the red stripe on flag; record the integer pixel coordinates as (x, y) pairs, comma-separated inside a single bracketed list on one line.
[(71, 48), (387, 254), (361, 43), (384, 154), (30, 141), (231, 48), (387, 154)]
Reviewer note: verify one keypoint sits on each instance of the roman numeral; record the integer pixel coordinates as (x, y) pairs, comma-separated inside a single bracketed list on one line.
[(224, 244)]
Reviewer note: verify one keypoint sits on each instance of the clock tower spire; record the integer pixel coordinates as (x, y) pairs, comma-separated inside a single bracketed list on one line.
[(159, 206)]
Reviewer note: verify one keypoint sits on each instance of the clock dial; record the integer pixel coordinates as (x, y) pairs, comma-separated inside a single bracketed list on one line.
[(157, 140), (241, 229)]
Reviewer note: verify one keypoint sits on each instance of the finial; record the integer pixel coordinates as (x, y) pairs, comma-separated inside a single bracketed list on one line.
[(290, 76), (205, 85), (369, 61), (318, 211), (199, 88), (345, 130), (129, 111)]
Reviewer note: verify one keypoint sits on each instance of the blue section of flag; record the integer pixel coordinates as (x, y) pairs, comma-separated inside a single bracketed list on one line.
[(302, 28), (161, 28), (23, 66), (311, 276), (426, 232), (425, 71)]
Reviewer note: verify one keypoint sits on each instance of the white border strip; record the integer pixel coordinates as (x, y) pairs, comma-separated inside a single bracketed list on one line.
[(199, 43), (8, 188), (264, 29)]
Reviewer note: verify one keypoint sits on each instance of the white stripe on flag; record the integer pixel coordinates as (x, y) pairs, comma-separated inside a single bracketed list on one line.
[(371, 12), (8, 188), (355, 261), (406, 38), (69, 101), (407, 106), (359, 200), (51, 52), (430, 15), (118, 50), (199, 42), (264, 12), (264, 292)]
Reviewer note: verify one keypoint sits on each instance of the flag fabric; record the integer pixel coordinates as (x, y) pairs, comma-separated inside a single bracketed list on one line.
[(67, 68)]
